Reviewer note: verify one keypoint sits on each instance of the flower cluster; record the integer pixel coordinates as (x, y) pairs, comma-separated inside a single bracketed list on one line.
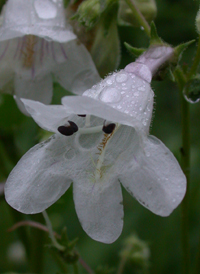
[(101, 142)]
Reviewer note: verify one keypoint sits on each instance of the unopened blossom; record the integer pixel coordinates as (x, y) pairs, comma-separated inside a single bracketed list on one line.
[(101, 142), (36, 43)]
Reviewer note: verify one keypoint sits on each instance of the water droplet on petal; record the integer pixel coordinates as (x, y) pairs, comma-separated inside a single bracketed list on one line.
[(45, 9), (110, 95), (121, 77), (109, 81)]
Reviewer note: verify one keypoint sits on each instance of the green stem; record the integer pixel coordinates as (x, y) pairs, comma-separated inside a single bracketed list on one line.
[(123, 261), (76, 269), (196, 61), (185, 163), (51, 233), (60, 262), (37, 246), (139, 17), (197, 265)]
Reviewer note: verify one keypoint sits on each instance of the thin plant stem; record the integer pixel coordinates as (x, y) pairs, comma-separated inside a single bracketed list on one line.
[(185, 163), (31, 224), (75, 267), (37, 247), (85, 266), (51, 233), (45, 229), (59, 261), (139, 17), (123, 261), (196, 61), (197, 264), (22, 233)]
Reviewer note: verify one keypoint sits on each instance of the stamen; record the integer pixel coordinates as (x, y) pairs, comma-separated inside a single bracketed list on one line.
[(108, 127), (69, 129), (87, 121), (89, 130), (29, 52), (73, 125)]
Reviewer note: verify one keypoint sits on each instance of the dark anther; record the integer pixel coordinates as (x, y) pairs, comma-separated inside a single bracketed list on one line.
[(81, 115), (73, 125), (69, 129), (108, 129)]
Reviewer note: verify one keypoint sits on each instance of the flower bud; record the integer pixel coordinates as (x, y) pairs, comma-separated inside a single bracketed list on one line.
[(148, 9), (192, 90), (135, 251), (88, 13)]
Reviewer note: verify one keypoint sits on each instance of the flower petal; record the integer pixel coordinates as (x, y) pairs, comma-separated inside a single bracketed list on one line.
[(38, 89), (99, 209), (48, 117), (39, 179), (87, 105), (42, 18), (79, 68), (157, 180), (6, 63), (128, 93)]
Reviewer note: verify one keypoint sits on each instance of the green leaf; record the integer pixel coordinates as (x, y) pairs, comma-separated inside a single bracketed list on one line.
[(155, 39), (136, 52)]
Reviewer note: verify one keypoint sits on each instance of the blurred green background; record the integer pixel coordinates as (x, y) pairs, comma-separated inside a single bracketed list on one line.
[(175, 23)]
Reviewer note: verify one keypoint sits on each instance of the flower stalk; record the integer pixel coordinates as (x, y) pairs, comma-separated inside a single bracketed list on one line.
[(139, 17), (51, 233), (185, 163)]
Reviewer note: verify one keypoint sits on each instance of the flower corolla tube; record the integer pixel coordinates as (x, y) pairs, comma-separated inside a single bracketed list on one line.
[(36, 42), (101, 140)]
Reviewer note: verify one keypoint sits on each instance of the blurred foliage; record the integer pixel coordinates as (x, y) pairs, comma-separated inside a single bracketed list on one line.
[(175, 23)]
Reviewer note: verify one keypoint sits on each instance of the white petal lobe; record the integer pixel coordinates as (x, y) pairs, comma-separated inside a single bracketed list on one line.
[(157, 180), (39, 179), (99, 208), (48, 117)]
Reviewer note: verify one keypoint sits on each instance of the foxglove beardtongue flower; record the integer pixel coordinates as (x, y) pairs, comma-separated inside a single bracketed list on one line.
[(106, 144), (36, 42)]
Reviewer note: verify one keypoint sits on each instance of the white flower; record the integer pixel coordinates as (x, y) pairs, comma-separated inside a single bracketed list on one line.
[(36, 42), (109, 146)]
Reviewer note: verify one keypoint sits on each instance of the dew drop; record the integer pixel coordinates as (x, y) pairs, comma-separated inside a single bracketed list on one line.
[(110, 95), (136, 94), (121, 77), (144, 123), (109, 81), (45, 9), (191, 91)]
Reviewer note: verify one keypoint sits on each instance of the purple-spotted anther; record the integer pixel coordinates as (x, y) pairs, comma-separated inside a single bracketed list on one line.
[(36, 42), (111, 147)]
